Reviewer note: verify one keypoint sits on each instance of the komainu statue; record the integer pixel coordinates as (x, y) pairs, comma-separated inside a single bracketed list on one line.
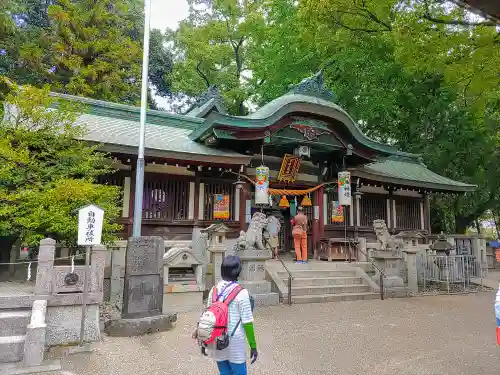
[(252, 239), (386, 241)]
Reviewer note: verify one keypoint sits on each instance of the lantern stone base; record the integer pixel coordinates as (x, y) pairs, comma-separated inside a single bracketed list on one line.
[(253, 273)]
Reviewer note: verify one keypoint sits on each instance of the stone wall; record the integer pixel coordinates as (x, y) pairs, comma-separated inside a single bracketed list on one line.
[(64, 307)]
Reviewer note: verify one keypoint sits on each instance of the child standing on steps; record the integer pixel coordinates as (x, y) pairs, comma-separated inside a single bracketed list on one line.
[(232, 359)]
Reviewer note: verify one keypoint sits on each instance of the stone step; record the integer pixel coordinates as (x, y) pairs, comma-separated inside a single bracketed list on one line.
[(342, 280), (322, 298), (14, 322), (266, 299), (11, 348), (311, 274), (329, 289)]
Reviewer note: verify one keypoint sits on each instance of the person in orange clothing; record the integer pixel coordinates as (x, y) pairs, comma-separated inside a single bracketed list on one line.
[(299, 233)]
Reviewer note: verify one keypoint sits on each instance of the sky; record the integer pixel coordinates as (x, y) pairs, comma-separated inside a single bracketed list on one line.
[(167, 13)]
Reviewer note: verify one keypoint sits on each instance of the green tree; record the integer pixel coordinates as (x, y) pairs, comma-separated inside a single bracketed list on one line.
[(81, 47), (46, 173), (414, 106), (212, 47)]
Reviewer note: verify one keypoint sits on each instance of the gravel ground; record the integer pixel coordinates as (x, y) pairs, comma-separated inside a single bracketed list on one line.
[(445, 335)]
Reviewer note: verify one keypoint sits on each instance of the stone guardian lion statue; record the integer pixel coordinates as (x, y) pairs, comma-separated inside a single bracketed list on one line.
[(386, 241), (252, 238)]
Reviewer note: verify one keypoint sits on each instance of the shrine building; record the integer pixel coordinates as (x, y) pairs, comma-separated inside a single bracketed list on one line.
[(200, 167)]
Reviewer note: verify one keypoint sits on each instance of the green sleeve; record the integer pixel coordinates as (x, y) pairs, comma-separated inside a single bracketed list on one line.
[(248, 327)]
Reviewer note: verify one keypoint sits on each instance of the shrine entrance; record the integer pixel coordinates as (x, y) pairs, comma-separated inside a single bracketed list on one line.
[(285, 215)]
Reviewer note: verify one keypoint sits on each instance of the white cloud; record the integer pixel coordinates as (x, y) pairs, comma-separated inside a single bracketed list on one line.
[(168, 13)]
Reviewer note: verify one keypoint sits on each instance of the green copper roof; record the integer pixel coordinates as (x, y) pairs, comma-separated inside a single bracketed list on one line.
[(116, 126), (127, 112), (409, 173)]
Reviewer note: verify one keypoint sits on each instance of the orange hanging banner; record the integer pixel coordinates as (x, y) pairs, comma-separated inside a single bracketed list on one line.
[(289, 168)]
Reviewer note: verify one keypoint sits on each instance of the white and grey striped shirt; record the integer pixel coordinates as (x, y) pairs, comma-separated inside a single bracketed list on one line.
[(240, 308)]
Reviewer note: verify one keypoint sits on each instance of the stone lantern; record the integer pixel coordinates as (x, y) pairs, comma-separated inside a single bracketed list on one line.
[(411, 248), (216, 236), (442, 249)]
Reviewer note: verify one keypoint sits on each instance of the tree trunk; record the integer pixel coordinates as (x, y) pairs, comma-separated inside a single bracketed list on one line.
[(478, 226), (493, 213), (6, 244), (461, 224)]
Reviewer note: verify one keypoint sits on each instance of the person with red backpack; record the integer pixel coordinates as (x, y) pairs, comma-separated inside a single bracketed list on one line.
[(227, 323)]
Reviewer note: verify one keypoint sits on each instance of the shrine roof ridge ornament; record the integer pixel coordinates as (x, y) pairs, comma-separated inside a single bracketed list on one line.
[(314, 86), (210, 98), (211, 93)]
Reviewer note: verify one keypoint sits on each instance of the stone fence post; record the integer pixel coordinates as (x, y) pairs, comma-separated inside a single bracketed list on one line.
[(97, 264), (44, 273)]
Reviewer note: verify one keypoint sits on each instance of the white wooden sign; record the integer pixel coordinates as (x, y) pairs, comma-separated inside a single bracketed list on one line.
[(90, 220)]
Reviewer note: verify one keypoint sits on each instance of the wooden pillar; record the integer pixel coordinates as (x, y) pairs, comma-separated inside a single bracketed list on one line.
[(357, 212), (244, 195), (320, 197), (315, 223), (201, 201), (196, 203), (391, 222), (127, 183), (427, 213)]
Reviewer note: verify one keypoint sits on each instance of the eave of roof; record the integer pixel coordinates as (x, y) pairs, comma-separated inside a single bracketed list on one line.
[(121, 135), (270, 113), (486, 8), (408, 173), (127, 112), (116, 128)]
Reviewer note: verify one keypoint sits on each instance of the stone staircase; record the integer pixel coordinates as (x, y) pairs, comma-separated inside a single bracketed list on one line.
[(13, 326), (339, 283)]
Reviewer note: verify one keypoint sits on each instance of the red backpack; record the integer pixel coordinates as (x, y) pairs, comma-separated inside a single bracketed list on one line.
[(214, 320)]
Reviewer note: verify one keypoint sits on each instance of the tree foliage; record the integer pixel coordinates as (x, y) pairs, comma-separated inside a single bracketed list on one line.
[(83, 47), (46, 173), (421, 75), (212, 47)]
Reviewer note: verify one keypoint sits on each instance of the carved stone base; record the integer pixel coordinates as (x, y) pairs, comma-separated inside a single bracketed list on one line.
[(63, 324), (140, 326), (253, 274)]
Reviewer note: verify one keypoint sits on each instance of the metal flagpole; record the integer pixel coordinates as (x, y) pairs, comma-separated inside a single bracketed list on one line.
[(139, 183)]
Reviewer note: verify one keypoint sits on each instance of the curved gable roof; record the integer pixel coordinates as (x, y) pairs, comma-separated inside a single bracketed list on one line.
[(309, 96)]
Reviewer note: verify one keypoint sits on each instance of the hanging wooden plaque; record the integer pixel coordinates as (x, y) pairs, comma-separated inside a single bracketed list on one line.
[(289, 168)]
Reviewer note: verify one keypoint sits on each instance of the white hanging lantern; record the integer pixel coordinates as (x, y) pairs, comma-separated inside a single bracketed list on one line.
[(344, 188), (262, 185)]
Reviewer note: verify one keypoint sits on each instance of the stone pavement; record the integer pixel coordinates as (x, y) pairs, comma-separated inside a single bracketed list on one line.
[(445, 335), (491, 280)]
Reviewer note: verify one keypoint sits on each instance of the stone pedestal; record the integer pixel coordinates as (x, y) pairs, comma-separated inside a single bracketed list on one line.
[(217, 254), (182, 294), (388, 262), (411, 266), (363, 251), (253, 274), (444, 264)]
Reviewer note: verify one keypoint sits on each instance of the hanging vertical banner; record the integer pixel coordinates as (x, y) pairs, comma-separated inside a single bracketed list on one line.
[(344, 184), (221, 207), (337, 212), (262, 185), (289, 168)]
